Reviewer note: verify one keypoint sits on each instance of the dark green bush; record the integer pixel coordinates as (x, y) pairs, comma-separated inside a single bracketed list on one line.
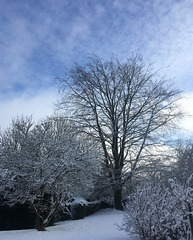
[(16, 217), (91, 208), (78, 210)]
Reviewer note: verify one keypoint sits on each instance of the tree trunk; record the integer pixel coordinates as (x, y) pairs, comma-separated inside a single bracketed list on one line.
[(42, 227), (38, 223), (118, 199), (42, 223)]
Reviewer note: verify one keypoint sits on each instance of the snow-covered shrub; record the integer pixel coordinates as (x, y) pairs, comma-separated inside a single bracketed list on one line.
[(157, 212), (77, 209)]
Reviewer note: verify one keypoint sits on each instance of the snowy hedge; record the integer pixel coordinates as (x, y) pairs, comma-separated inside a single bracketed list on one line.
[(77, 209), (158, 212)]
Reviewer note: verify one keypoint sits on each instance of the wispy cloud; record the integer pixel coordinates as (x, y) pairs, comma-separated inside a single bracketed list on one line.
[(167, 37)]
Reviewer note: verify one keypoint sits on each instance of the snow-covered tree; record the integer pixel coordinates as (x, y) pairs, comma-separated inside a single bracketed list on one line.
[(44, 164), (156, 212), (126, 107), (184, 164)]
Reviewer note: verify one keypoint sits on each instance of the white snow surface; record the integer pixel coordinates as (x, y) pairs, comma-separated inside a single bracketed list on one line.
[(102, 225)]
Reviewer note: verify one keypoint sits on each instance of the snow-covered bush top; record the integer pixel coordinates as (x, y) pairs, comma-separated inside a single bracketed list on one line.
[(79, 201)]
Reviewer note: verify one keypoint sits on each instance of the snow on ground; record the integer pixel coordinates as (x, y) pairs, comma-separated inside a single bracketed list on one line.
[(99, 226)]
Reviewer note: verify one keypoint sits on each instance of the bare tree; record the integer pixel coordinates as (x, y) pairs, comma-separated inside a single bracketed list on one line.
[(43, 165), (182, 167), (126, 107)]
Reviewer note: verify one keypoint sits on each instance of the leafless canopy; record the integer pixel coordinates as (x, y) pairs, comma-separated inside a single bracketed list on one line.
[(125, 106)]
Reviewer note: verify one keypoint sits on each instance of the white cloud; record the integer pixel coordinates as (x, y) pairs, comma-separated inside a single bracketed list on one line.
[(39, 106), (186, 123)]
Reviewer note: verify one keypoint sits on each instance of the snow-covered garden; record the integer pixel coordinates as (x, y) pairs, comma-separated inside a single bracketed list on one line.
[(110, 147)]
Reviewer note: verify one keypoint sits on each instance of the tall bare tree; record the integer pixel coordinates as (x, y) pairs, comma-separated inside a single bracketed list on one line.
[(126, 107), (182, 168)]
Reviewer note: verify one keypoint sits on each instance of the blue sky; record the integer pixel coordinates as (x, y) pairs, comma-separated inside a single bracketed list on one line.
[(40, 38)]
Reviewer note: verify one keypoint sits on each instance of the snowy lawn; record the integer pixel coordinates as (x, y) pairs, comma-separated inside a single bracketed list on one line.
[(99, 226)]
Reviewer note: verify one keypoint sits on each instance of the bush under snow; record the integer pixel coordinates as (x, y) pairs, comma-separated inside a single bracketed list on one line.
[(158, 212)]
